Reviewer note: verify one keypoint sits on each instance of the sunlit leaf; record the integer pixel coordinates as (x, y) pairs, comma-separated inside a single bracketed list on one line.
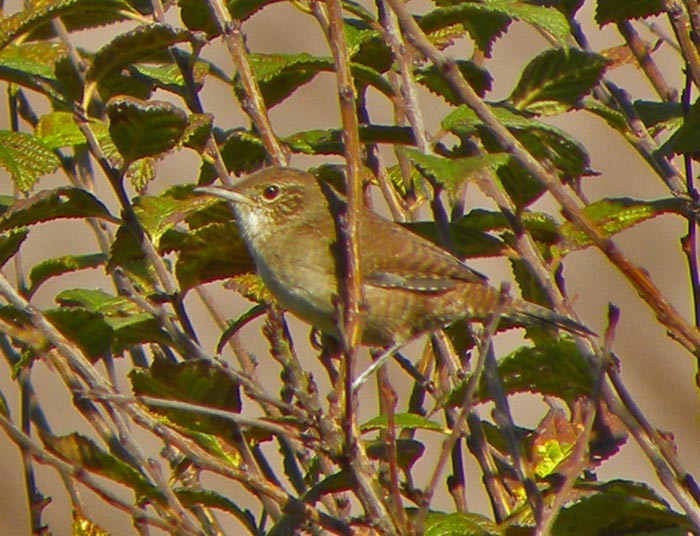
[(556, 79), (26, 158)]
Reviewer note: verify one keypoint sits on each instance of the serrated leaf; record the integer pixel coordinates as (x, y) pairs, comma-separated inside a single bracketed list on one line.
[(622, 10), (452, 172), (214, 251), (620, 507), (210, 499), (556, 79), (26, 158), (144, 128), (62, 265), (159, 214), (169, 77), (64, 202), (196, 382), (545, 142), (242, 151), (125, 323), (554, 368), (76, 14), (460, 524), (32, 65), (59, 129), (483, 26), (196, 135), (330, 141), (10, 243), (613, 215), (141, 173), (85, 328), (280, 75), (132, 46), (409, 421), (82, 452), (543, 18), (235, 325), (477, 77)]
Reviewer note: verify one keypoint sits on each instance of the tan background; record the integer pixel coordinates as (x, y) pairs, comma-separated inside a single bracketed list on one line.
[(658, 372)]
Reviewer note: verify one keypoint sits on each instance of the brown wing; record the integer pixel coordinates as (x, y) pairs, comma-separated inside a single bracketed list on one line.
[(394, 257)]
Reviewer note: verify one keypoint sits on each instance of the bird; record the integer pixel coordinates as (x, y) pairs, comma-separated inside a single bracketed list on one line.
[(409, 285)]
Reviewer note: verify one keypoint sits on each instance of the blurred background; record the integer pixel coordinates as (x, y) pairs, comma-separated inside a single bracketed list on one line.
[(657, 371)]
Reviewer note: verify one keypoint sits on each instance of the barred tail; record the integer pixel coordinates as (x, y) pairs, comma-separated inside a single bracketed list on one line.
[(522, 312)]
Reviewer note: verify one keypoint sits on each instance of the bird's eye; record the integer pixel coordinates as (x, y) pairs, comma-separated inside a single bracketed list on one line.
[(271, 192)]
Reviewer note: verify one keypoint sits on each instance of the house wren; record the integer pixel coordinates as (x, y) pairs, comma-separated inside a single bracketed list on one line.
[(409, 285)]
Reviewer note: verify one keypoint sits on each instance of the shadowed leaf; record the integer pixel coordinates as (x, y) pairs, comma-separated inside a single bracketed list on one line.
[(62, 265), (49, 205), (144, 128)]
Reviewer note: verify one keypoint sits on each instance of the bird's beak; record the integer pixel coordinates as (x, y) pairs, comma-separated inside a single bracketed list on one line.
[(225, 192)]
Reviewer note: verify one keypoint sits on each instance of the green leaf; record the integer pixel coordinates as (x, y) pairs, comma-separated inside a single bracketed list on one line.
[(545, 142), (460, 524), (556, 79), (26, 158), (65, 202), (169, 77), (32, 65), (125, 323), (195, 382), (553, 367), (330, 141), (686, 140), (242, 151), (432, 78), (484, 26), (452, 172), (613, 215), (144, 128), (543, 18), (409, 421), (210, 499), (623, 10), (214, 251), (86, 328), (59, 129), (141, 173), (62, 265), (280, 75), (199, 128), (76, 14), (82, 452), (620, 507), (10, 243), (132, 46), (158, 214)]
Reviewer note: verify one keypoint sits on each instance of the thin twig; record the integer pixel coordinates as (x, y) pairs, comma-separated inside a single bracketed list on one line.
[(465, 409), (253, 104), (351, 289), (579, 459)]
